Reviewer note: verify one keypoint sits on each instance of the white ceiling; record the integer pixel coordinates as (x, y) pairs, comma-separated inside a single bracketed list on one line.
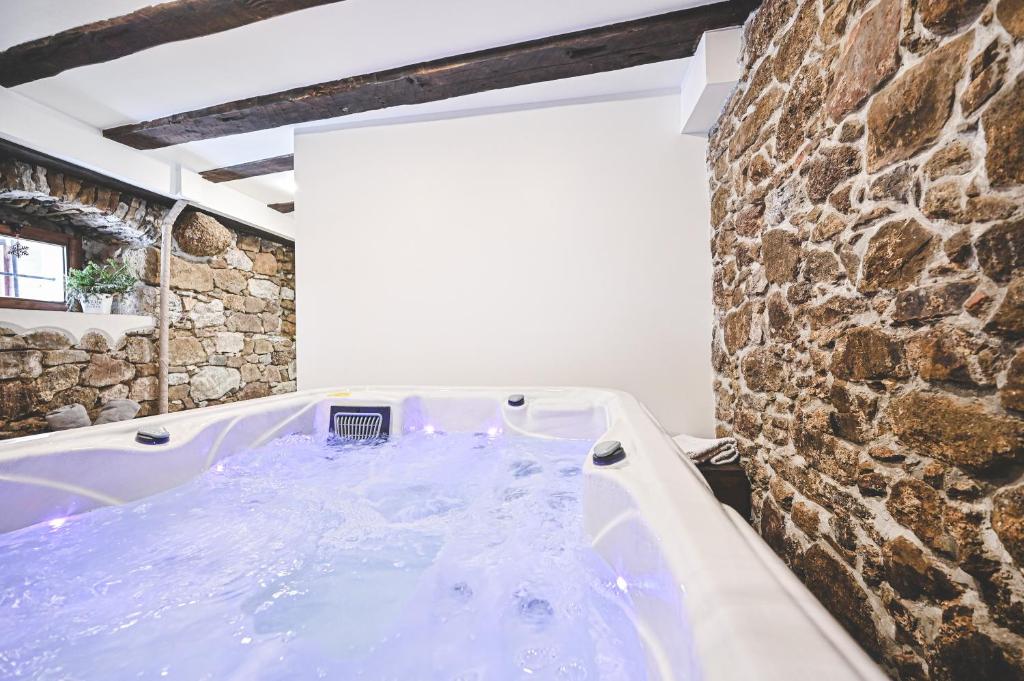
[(311, 46)]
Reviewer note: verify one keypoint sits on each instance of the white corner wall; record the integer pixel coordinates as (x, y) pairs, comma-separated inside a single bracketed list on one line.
[(554, 246)]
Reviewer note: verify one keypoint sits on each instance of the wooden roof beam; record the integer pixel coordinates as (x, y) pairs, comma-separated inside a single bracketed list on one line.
[(148, 27), (617, 46)]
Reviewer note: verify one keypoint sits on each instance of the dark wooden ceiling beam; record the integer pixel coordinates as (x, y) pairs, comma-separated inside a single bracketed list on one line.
[(266, 166), (148, 27), (632, 43), (283, 207)]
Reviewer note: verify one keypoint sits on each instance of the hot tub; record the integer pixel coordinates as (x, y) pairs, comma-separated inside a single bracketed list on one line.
[(704, 597)]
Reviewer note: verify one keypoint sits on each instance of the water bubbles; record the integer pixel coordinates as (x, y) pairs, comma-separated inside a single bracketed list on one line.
[(513, 493), (462, 592), (471, 675), (300, 560), (532, 660), (572, 671), (523, 469), (536, 612), (560, 501)]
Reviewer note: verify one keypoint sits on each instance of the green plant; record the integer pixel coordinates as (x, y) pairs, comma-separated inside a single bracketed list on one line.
[(99, 279)]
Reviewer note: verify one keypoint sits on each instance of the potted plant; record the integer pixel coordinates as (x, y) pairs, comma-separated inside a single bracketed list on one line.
[(96, 284)]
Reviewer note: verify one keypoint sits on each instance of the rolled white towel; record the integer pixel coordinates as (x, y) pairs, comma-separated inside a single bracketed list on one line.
[(716, 451)]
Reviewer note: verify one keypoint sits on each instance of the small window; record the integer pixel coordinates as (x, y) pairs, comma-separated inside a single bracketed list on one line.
[(34, 264)]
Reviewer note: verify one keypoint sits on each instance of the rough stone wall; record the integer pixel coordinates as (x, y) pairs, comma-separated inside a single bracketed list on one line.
[(89, 207), (867, 184), (45, 369), (232, 320), (232, 334)]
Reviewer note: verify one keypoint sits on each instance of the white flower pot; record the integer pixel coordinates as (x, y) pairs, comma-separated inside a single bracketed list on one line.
[(97, 303)]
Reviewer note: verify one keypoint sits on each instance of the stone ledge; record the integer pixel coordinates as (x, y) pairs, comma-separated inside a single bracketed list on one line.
[(114, 326)]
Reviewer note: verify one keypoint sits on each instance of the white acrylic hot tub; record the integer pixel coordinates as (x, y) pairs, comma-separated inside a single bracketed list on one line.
[(711, 601)]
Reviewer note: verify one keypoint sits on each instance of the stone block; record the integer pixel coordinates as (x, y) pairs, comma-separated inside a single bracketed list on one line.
[(765, 24), (207, 314), (139, 350), (55, 357), (119, 410), (945, 16), (795, 42), (870, 58), (68, 417), (913, 573), (1008, 520), (836, 586), (910, 112), (781, 255), (104, 370), (932, 302), (830, 167), (199, 234), (229, 342), (955, 430), (1008, 319), (1011, 16), (186, 351), (211, 383), (145, 388), (246, 323), (866, 353), (1000, 250), (955, 158), (763, 370), (952, 355), (21, 364), (896, 256), (237, 259), (265, 263), (55, 380), (46, 339), (232, 281), (264, 288), (801, 112)]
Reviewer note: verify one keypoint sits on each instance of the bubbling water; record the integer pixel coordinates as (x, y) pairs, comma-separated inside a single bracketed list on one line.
[(454, 556)]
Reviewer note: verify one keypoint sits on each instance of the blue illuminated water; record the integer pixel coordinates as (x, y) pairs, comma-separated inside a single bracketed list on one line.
[(445, 556)]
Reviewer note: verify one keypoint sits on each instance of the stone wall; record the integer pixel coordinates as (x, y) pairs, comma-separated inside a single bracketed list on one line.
[(867, 200), (91, 208), (232, 332), (232, 315), (45, 369)]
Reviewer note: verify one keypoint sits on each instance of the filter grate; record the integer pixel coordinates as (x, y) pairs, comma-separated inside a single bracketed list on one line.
[(357, 426), (360, 423)]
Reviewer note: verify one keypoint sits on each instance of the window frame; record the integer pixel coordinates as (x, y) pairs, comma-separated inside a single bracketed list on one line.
[(73, 248)]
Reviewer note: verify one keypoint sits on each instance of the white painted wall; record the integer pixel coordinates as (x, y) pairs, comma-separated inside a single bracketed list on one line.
[(555, 246)]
